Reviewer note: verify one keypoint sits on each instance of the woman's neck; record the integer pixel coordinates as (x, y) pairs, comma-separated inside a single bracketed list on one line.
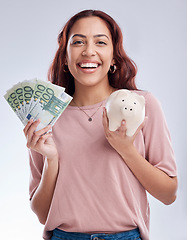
[(90, 96)]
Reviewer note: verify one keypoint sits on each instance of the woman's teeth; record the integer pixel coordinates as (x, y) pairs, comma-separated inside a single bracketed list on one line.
[(88, 65)]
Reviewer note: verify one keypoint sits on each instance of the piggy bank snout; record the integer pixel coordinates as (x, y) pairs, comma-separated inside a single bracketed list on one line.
[(128, 110)]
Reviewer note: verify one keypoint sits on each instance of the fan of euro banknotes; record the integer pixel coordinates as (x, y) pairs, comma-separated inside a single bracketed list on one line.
[(36, 99)]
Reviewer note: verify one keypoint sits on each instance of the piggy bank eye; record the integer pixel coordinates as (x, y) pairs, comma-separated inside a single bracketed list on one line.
[(134, 102), (123, 100)]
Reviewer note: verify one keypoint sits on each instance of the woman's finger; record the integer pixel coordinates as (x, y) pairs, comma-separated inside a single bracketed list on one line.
[(26, 128), (105, 123), (38, 135), (30, 133), (44, 130), (43, 138), (105, 118), (122, 129)]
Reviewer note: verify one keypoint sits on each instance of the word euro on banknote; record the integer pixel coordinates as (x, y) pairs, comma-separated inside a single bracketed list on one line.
[(36, 99)]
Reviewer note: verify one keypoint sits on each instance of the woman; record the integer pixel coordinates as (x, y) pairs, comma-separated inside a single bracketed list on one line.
[(86, 181)]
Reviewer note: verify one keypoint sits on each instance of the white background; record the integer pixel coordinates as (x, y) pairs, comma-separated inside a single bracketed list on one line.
[(155, 37)]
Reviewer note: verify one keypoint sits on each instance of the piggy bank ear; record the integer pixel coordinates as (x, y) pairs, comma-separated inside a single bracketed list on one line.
[(119, 93), (141, 100), (122, 93), (116, 95), (110, 99)]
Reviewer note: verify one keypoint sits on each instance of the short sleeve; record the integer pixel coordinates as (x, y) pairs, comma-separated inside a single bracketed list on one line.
[(36, 162), (158, 146)]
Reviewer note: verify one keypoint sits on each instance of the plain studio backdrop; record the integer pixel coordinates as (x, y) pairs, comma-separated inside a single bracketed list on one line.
[(155, 38)]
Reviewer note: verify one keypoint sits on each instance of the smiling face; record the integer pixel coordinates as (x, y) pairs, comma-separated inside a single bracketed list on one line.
[(90, 52)]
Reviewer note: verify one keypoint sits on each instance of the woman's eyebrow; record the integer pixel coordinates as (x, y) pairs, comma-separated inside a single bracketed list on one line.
[(83, 36), (101, 35), (79, 35)]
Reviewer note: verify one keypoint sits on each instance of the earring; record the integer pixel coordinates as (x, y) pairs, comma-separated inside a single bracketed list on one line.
[(65, 68), (113, 69)]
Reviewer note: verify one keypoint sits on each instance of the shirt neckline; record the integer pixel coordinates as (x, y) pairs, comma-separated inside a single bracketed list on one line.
[(102, 104)]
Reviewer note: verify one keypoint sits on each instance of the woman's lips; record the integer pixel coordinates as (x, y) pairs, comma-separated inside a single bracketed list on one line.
[(88, 67)]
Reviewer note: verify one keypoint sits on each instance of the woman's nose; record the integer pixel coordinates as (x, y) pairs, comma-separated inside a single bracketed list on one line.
[(89, 51)]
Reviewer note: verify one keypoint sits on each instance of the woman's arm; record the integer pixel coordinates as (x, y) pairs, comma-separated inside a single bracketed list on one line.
[(154, 180), (41, 200), (43, 143)]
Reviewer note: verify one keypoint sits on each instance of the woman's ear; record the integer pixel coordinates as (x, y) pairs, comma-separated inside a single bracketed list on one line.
[(113, 62), (66, 62)]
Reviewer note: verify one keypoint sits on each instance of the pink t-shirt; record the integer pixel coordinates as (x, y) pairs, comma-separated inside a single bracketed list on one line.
[(95, 190)]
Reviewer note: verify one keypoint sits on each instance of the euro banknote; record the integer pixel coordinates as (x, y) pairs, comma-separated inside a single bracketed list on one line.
[(36, 99)]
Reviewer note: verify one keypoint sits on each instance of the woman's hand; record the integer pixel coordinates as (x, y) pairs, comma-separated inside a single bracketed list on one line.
[(40, 141), (118, 139)]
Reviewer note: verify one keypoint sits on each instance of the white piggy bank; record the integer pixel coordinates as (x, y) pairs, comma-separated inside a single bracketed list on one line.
[(125, 105)]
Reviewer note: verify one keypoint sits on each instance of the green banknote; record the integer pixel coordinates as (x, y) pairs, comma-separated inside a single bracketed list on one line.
[(19, 94), (28, 89), (37, 99), (52, 102), (12, 99), (39, 87)]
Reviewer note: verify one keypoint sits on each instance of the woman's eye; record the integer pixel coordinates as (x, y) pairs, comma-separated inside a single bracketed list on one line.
[(78, 43), (101, 43)]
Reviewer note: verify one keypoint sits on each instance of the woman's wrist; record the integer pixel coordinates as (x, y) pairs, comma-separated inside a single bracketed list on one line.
[(52, 160), (128, 152)]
